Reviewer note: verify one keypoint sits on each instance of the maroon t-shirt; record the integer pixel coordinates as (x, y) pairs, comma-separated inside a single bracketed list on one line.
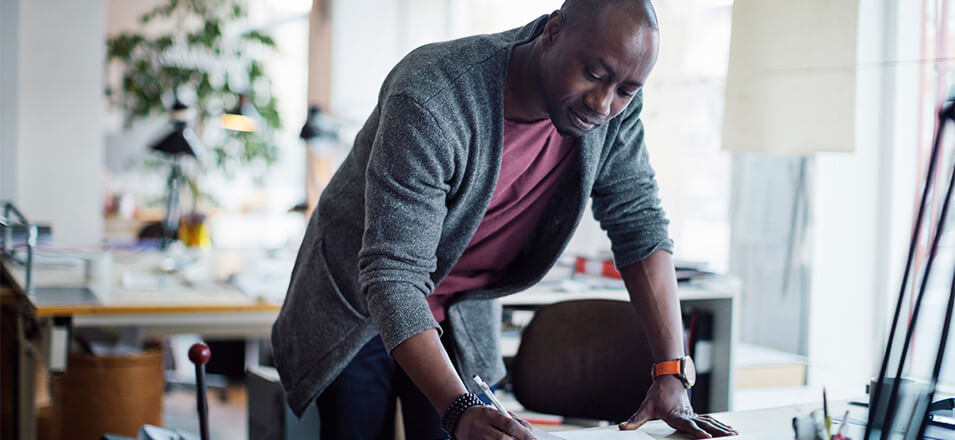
[(534, 159)]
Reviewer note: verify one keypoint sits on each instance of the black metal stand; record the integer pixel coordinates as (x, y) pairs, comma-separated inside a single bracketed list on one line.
[(170, 222), (946, 114)]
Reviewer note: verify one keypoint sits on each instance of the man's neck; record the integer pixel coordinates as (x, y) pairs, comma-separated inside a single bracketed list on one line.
[(523, 101)]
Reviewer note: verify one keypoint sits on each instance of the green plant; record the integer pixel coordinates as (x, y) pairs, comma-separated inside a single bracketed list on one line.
[(188, 50)]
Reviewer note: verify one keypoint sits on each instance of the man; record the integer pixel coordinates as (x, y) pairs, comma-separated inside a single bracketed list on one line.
[(464, 185)]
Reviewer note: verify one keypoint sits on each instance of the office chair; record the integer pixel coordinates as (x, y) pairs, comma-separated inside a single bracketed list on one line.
[(583, 359)]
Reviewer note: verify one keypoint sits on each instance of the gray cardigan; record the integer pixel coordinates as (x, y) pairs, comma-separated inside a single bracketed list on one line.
[(403, 205)]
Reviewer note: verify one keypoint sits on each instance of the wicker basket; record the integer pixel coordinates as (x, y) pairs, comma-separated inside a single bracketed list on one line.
[(108, 394)]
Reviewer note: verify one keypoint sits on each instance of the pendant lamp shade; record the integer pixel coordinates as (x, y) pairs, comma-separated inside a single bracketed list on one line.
[(791, 79), (318, 125), (242, 118)]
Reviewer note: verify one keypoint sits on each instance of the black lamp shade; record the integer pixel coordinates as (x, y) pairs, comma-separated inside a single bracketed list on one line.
[(180, 140), (309, 132), (317, 125)]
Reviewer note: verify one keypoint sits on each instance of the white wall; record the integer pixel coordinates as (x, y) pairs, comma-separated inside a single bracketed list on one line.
[(9, 32), (862, 203), (899, 161), (683, 115), (370, 36), (59, 115), (365, 45)]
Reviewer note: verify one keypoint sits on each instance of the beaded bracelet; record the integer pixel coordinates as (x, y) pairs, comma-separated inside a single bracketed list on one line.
[(451, 415)]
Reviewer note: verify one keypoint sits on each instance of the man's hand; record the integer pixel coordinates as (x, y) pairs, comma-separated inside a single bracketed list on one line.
[(485, 422), (667, 400)]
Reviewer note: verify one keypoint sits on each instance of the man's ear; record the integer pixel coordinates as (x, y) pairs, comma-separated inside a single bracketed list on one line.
[(553, 28)]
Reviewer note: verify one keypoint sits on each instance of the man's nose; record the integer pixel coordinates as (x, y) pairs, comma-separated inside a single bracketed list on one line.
[(599, 99)]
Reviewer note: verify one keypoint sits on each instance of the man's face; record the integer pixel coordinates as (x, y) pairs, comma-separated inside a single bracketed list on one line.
[(589, 73)]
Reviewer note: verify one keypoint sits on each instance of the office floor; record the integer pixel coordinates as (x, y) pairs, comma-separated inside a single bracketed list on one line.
[(227, 419)]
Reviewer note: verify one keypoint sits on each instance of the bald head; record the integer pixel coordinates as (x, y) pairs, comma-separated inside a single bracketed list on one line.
[(592, 59), (581, 14)]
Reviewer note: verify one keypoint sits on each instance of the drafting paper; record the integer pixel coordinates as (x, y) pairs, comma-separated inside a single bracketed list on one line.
[(611, 433)]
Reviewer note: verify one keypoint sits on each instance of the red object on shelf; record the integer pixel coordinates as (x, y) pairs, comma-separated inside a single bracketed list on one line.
[(604, 268)]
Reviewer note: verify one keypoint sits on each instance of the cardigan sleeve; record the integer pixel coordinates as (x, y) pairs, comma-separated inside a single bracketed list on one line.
[(625, 200), (407, 177)]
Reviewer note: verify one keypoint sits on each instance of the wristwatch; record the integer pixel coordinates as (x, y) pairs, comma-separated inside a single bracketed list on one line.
[(682, 368)]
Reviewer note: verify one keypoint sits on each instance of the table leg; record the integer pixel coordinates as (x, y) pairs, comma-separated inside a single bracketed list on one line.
[(28, 365)]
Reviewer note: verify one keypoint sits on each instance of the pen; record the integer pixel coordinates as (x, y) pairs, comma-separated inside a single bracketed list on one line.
[(490, 394), (825, 414)]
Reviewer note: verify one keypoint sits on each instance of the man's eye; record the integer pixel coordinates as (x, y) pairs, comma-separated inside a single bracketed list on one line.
[(626, 93), (591, 76)]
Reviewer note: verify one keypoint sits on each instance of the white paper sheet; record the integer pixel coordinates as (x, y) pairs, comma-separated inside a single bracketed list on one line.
[(544, 435), (611, 432)]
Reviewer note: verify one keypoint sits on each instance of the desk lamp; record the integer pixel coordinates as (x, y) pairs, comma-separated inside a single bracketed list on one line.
[(178, 142), (13, 217), (321, 135), (922, 406)]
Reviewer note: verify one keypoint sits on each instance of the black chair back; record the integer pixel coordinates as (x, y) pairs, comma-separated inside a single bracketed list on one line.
[(583, 359)]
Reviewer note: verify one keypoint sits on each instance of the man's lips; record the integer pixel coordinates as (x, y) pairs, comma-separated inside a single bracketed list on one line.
[(580, 121)]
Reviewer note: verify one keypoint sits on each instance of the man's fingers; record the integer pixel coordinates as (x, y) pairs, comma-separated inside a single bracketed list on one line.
[(520, 420), (511, 426), (687, 426), (725, 429), (711, 427), (637, 420), (517, 430)]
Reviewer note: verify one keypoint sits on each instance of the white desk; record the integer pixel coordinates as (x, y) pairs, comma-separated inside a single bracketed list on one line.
[(763, 424), (167, 307), (715, 296), (179, 304)]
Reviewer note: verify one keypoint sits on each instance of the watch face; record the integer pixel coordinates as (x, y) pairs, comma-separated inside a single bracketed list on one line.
[(689, 371)]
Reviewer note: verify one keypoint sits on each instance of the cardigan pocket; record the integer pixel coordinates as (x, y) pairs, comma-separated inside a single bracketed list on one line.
[(333, 286), (315, 319)]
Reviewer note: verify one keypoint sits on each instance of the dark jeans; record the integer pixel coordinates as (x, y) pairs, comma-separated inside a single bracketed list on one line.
[(360, 403)]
